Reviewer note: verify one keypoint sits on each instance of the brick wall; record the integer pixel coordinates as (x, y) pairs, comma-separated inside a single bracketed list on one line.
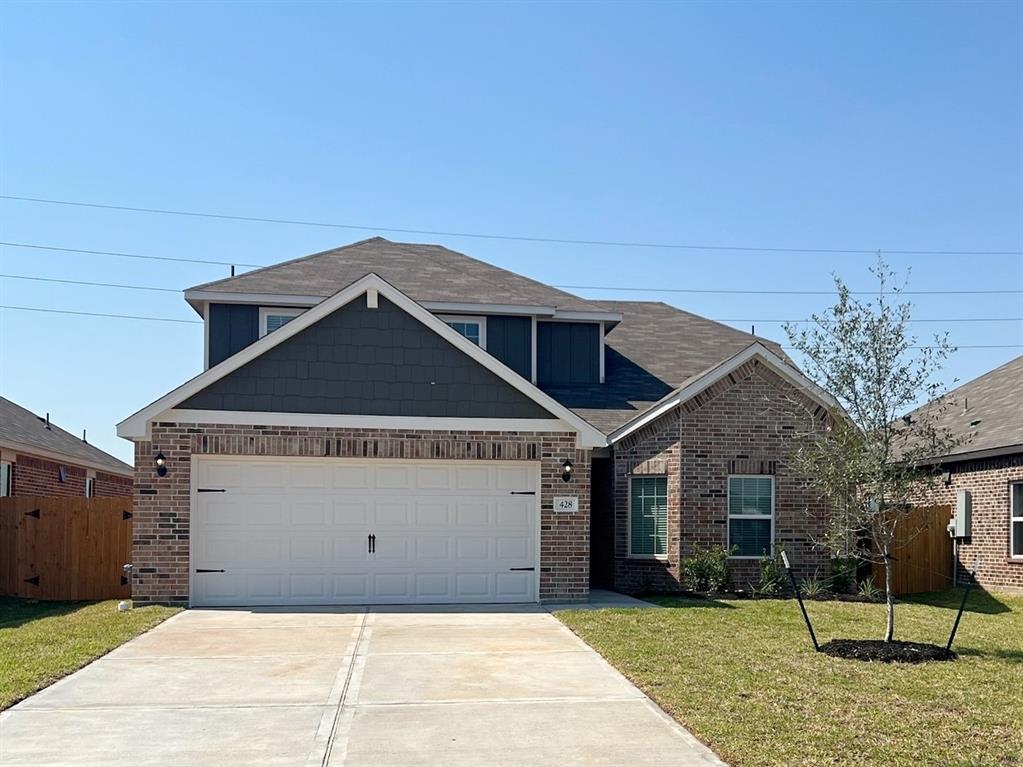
[(33, 475), (988, 481), (162, 504), (745, 424)]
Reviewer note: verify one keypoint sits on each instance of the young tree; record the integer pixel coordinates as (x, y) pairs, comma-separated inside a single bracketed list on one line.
[(873, 461)]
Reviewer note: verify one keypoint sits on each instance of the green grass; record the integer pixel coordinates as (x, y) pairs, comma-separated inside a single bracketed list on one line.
[(743, 677), (42, 641)]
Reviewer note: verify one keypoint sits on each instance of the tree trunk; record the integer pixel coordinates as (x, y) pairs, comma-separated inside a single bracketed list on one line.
[(889, 597)]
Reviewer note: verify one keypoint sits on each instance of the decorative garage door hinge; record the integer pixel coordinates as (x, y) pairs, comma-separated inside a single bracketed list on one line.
[(204, 570), (211, 490), (523, 492), (513, 569)]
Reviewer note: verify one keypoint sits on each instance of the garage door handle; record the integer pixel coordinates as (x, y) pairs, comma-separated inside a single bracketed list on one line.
[(371, 542), (513, 569), (201, 570)]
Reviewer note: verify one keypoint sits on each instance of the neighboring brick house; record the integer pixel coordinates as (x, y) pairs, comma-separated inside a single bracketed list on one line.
[(37, 457), (987, 414), (400, 423)]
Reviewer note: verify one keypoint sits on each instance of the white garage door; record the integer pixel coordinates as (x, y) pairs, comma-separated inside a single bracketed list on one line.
[(337, 531)]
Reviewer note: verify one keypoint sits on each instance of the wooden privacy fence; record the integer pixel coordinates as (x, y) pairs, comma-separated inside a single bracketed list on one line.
[(65, 548), (922, 552)]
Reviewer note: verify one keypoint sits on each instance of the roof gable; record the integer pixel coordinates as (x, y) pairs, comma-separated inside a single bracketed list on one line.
[(373, 287)]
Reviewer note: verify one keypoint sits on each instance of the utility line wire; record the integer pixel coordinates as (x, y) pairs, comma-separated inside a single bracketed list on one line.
[(728, 291), (727, 319), (198, 322), (518, 238)]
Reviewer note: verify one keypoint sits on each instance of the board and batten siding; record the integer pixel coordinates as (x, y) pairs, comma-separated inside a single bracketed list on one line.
[(509, 339), (567, 353), (362, 361), (232, 327)]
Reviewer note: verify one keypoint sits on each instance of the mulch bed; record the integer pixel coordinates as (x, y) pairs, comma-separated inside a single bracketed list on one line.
[(886, 652)]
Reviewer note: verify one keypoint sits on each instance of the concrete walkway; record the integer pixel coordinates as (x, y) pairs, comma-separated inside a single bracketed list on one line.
[(348, 686)]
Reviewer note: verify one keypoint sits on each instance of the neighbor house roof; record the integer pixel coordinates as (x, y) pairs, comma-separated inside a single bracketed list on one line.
[(425, 273), (21, 429), (987, 412), (653, 351)]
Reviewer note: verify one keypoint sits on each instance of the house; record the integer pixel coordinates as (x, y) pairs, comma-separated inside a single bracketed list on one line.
[(37, 457), (391, 423), (986, 414)]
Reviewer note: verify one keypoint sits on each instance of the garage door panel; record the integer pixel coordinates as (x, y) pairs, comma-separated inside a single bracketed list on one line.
[(297, 531)]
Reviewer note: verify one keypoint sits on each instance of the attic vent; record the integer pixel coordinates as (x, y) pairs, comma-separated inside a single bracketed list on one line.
[(975, 423)]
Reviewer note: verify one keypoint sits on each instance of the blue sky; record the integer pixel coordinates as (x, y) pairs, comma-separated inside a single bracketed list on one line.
[(849, 126)]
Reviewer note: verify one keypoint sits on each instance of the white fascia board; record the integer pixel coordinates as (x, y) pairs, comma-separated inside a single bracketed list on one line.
[(715, 374), (136, 426), (265, 299), (572, 316), (256, 418), (19, 447)]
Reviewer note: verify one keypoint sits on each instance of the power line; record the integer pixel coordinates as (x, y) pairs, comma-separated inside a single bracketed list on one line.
[(198, 322), (726, 319), (518, 238), (99, 314), (785, 292), (124, 255), (721, 291)]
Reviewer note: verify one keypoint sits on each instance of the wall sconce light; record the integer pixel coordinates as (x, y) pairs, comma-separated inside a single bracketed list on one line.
[(161, 465), (566, 470)]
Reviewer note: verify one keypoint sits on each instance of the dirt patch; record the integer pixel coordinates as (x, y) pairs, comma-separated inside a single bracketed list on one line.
[(886, 652)]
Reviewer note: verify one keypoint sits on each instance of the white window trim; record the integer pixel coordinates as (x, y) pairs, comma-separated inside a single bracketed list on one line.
[(477, 318), (6, 478), (731, 516), (1015, 521), (658, 557), (266, 311), (90, 487)]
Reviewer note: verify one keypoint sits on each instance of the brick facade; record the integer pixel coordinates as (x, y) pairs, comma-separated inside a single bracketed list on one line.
[(33, 475), (163, 505), (744, 424), (988, 481)]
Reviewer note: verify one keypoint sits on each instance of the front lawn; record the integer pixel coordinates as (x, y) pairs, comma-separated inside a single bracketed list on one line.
[(743, 677), (42, 641)]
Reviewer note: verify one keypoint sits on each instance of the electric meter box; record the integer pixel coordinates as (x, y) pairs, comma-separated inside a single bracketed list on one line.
[(964, 514)]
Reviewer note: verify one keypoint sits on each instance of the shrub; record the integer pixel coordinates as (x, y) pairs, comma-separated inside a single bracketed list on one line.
[(843, 574), (813, 587), (869, 590), (706, 569), (772, 574)]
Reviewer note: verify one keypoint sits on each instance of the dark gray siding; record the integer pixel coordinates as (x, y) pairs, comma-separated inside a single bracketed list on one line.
[(508, 339), (567, 353), (232, 328), (360, 361)]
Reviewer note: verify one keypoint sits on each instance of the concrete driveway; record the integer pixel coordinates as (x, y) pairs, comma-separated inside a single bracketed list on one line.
[(348, 686)]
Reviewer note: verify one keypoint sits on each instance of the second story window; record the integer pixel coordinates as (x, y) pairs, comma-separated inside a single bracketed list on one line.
[(271, 319), (473, 328)]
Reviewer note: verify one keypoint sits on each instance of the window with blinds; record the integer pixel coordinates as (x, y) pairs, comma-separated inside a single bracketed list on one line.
[(648, 514), (750, 515)]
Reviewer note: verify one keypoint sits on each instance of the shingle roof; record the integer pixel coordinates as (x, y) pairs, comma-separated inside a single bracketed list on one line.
[(24, 427), (988, 411), (422, 272), (654, 350)]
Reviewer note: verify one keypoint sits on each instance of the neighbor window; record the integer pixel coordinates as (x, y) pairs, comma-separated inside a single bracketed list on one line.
[(6, 477), (273, 319), (473, 328), (648, 516), (1016, 520), (90, 487), (750, 515)]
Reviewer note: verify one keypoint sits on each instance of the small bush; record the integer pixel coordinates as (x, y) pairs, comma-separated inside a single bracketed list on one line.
[(843, 574), (706, 569), (869, 590), (772, 575), (813, 587)]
